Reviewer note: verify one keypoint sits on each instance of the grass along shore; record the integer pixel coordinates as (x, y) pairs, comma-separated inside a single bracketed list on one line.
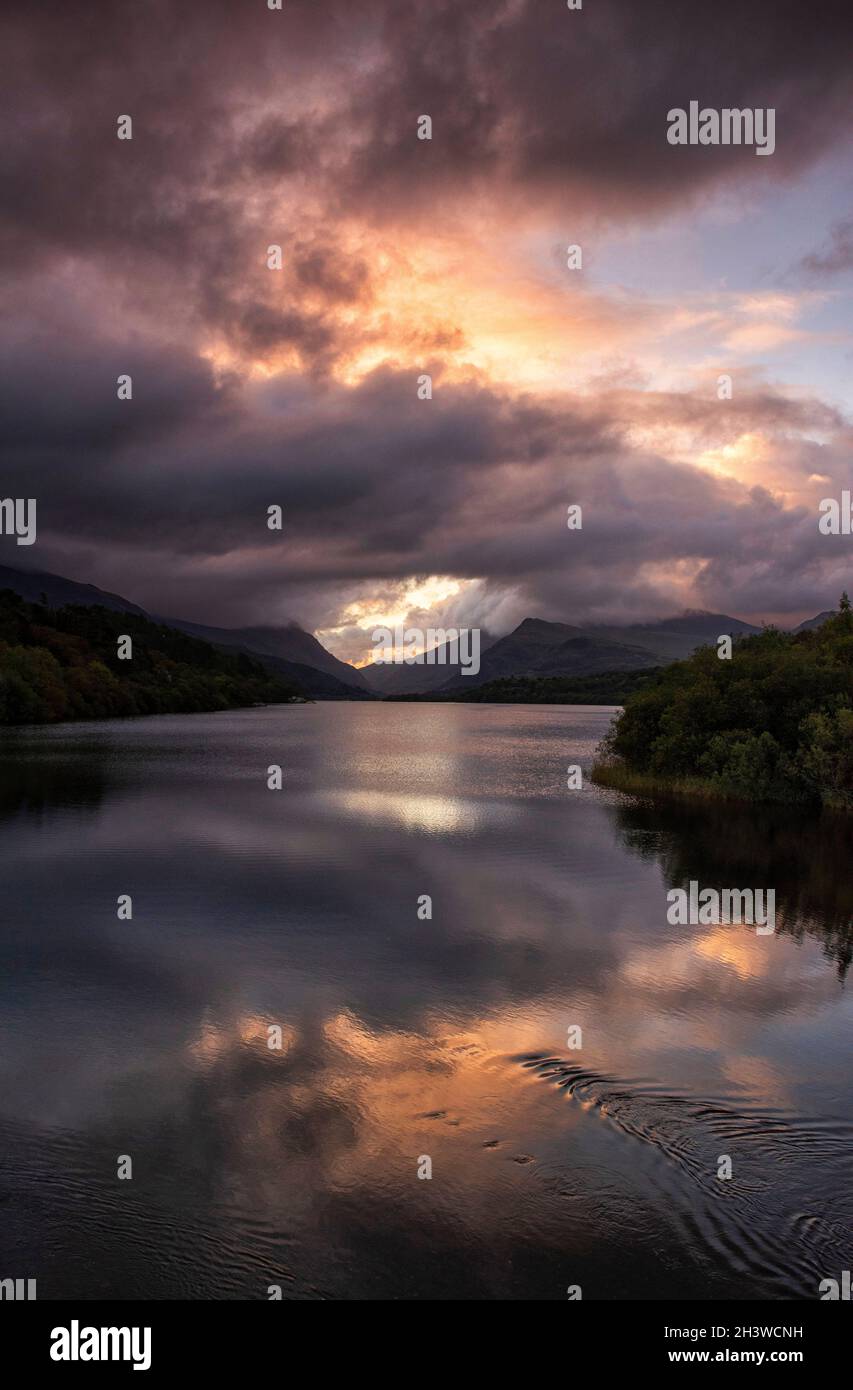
[(618, 777)]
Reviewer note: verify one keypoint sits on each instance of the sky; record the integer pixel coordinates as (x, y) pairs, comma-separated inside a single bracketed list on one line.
[(401, 257)]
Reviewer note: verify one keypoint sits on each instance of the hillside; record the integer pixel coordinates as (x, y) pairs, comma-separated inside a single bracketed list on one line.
[(58, 664), (396, 678), (288, 653), (537, 649), (817, 621), (38, 586), (673, 639), (604, 688), (290, 644), (774, 723)]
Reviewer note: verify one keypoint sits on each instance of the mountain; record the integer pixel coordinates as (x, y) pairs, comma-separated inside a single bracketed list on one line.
[(539, 649), (601, 688), (37, 585), (64, 663), (395, 678), (811, 623), (319, 685), (290, 644), (536, 649), (673, 639), (523, 650), (289, 653)]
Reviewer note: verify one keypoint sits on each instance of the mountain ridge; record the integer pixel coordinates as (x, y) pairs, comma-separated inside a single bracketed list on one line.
[(289, 643), (536, 647), (323, 677)]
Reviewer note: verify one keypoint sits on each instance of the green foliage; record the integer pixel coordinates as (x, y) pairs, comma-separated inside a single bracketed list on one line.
[(826, 755), (63, 664), (604, 688), (772, 724)]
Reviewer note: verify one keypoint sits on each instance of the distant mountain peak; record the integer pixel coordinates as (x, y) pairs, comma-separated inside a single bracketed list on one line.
[(817, 621), (531, 626)]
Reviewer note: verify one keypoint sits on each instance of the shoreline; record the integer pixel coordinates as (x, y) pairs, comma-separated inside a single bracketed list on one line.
[(619, 778)]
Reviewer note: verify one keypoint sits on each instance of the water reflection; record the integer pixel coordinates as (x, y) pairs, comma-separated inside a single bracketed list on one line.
[(804, 857), (402, 1037)]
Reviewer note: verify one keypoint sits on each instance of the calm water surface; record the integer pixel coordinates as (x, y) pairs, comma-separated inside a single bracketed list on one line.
[(400, 1037)]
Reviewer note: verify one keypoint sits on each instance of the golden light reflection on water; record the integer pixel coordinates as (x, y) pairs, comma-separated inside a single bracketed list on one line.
[(361, 1090), (394, 1092), (416, 811), (740, 951), (213, 1041)]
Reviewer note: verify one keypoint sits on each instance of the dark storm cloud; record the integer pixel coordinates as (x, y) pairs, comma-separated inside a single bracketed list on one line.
[(228, 99), (374, 484), (253, 127), (565, 105)]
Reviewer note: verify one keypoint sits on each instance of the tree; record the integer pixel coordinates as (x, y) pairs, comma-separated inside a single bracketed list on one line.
[(774, 724)]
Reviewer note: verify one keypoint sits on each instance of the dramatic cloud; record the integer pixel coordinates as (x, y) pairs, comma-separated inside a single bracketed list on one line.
[(253, 386)]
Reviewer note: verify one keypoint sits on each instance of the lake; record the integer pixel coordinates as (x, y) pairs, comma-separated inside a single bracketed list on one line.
[(408, 1042)]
